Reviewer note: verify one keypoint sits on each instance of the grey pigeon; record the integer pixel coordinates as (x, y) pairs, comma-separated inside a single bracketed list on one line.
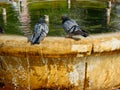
[(72, 28), (40, 32)]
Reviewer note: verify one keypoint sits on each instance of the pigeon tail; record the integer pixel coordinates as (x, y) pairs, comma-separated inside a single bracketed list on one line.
[(35, 40), (84, 33)]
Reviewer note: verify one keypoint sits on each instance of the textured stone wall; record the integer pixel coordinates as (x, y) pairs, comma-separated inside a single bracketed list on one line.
[(58, 63)]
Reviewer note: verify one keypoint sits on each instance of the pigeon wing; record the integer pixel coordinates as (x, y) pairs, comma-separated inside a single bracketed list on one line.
[(44, 32), (69, 25), (37, 32)]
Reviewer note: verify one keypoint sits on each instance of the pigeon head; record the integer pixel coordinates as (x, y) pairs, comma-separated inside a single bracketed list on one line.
[(65, 18), (41, 20)]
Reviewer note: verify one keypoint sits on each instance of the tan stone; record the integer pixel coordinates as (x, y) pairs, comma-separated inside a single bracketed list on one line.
[(59, 63)]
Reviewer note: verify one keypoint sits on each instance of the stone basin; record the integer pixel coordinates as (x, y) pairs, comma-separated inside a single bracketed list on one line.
[(59, 63)]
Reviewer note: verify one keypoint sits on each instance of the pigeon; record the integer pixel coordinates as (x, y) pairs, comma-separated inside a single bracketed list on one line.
[(71, 27), (40, 32)]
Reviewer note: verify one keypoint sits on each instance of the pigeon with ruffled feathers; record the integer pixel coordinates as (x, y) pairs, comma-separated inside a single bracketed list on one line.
[(40, 32), (71, 27)]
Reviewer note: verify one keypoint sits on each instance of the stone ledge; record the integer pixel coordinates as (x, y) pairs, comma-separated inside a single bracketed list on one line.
[(59, 46)]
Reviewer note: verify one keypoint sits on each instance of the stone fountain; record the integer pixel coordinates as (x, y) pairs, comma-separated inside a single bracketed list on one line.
[(59, 63)]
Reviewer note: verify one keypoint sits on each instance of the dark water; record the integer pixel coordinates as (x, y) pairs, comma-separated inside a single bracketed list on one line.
[(90, 15)]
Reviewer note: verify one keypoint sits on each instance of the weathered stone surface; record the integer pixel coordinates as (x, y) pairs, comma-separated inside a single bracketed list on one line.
[(59, 63), (59, 46), (110, 42), (50, 47)]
